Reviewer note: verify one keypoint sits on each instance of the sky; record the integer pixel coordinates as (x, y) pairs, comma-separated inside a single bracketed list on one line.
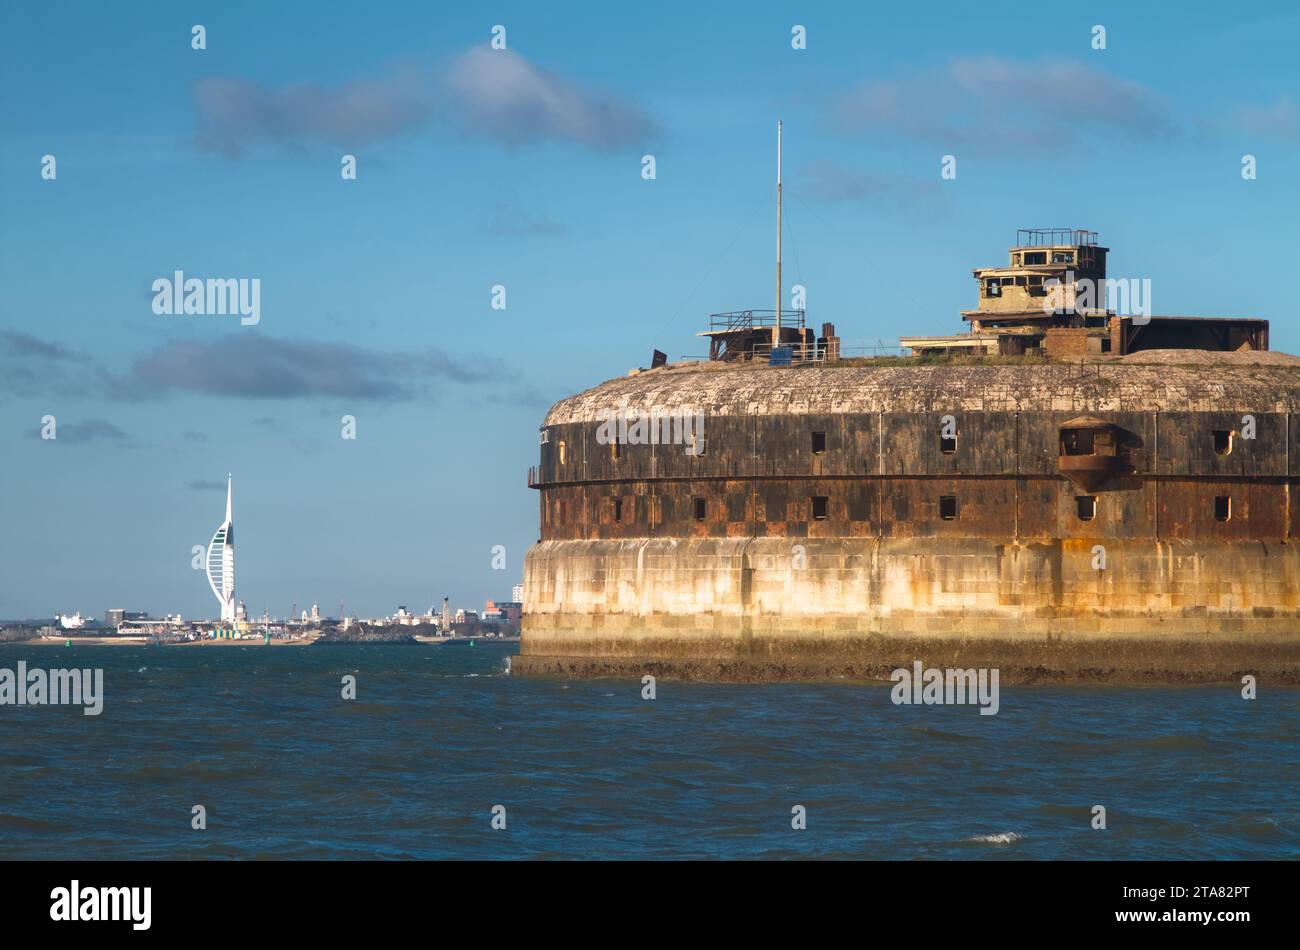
[(523, 168)]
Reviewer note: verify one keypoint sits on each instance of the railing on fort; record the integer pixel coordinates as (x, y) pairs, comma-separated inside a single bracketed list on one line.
[(815, 352), (793, 353), (1055, 237), (751, 319), (876, 349), (822, 352)]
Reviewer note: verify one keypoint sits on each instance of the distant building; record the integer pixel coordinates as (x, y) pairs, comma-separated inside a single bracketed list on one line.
[(406, 618), (504, 611), (517, 593), (116, 615)]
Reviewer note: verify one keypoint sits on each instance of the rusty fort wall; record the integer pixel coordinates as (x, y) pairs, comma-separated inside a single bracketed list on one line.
[(827, 527)]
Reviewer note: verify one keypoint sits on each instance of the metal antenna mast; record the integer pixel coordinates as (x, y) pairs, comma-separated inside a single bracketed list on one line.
[(776, 328)]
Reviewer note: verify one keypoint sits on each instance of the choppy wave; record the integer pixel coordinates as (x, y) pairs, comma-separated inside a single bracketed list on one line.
[(1005, 837)]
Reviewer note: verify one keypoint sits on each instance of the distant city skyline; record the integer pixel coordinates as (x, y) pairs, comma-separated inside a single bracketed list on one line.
[(218, 560), (523, 169)]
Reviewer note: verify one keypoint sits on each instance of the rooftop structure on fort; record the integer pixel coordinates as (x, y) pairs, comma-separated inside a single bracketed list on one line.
[(1053, 301), (1056, 300)]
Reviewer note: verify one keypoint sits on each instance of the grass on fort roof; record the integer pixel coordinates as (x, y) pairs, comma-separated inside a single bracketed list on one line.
[(959, 360), (929, 360)]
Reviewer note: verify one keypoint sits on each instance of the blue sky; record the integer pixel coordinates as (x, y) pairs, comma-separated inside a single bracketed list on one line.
[(522, 167)]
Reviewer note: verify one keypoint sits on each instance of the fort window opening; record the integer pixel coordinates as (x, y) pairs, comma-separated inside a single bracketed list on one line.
[(1222, 508), (1223, 441), (1087, 505), (699, 506), (1034, 257), (1077, 442), (948, 507), (947, 444), (820, 504), (818, 443), (618, 509), (1062, 257), (563, 456), (991, 288), (616, 450)]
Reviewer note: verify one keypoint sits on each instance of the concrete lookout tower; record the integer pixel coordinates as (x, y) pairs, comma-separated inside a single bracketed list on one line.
[(1043, 259), (1054, 300)]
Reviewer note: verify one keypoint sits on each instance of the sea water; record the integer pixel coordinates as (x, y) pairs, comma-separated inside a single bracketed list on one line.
[(441, 744)]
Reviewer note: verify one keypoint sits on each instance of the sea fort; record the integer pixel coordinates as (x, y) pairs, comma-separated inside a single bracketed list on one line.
[(1058, 492)]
